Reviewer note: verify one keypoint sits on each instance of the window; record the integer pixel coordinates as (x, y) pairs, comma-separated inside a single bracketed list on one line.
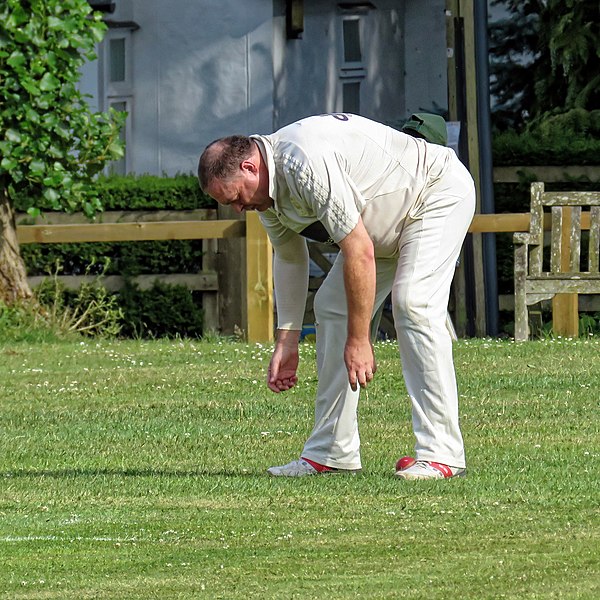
[(351, 97), (116, 59), (117, 63), (352, 70), (119, 167), (118, 85), (352, 52)]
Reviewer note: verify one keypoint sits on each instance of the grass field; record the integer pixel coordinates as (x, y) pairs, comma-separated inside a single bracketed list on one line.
[(136, 470)]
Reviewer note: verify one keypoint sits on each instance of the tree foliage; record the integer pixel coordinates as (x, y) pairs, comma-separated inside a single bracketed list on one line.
[(544, 59), (50, 142)]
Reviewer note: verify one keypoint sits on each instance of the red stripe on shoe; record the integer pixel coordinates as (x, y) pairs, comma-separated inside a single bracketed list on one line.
[(445, 470), (316, 466)]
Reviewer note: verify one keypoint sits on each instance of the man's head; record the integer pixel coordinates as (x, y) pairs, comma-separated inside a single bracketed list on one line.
[(231, 170), (222, 158)]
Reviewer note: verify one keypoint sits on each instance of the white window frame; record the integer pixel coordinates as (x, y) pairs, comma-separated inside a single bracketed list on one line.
[(350, 71), (358, 63), (125, 131), (118, 91), (125, 87)]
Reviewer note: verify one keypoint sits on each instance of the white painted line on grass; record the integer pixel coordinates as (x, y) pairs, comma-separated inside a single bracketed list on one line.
[(58, 538)]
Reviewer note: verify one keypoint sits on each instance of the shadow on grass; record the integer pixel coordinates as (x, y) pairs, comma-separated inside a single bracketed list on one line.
[(74, 473)]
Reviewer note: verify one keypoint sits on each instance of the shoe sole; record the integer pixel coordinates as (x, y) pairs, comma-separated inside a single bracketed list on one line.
[(352, 472), (401, 475)]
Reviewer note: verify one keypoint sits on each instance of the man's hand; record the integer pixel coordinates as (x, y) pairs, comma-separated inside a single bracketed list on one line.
[(360, 362), (283, 367)]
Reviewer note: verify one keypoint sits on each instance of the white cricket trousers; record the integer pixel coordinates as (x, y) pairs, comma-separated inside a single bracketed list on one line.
[(419, 279)]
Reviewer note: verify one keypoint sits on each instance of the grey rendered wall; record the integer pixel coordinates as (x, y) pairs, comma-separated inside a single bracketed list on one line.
[(204, 69), (426, 62), (404, 47), (201, 70)]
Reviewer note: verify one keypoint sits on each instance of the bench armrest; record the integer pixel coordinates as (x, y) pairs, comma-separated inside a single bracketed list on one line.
[(521, 238)]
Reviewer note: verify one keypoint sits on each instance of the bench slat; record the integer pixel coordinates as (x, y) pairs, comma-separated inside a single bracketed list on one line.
[(556, 239), (594, 249), (575, 241), (571, 199), (536, 228), (562, 286), (577, 275)]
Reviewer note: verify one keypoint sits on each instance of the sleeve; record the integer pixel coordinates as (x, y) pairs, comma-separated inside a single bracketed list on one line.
[(323, 186), (290, 275), (290, 272)]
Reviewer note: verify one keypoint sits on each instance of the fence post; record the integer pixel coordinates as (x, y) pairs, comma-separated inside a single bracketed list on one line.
[(259, 282), (210, 301), (231, 268)]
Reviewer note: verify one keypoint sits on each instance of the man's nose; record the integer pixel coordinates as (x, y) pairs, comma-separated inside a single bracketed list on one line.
[(238, 208)]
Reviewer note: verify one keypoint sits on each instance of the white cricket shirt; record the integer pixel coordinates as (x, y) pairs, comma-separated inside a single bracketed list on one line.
[(336, 167)]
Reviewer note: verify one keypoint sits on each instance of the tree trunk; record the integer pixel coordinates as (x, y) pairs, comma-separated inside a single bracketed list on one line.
[(13, 276)]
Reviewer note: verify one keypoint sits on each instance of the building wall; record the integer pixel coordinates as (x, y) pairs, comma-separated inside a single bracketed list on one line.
[(426, 62), (404, 60), (200, 70), (310, 72)]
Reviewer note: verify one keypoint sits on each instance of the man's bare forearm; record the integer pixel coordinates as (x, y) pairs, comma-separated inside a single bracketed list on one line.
[(360, 281)]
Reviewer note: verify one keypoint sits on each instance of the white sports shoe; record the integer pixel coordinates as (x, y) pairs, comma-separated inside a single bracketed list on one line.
[(302, 468), (426, 469)]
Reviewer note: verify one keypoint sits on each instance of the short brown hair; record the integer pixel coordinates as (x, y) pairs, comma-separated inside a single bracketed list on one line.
[(222, 158)]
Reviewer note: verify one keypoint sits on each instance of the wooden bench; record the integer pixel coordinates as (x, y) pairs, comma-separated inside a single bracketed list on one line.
[(560, 274)]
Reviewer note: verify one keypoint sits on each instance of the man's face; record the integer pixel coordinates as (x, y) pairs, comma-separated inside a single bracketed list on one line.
[(242, 192)]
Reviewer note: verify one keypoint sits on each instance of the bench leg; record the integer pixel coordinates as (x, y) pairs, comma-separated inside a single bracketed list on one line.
[(521, 319), (565, 315)]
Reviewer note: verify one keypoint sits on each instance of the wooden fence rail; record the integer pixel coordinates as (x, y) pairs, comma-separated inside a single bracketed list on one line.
[(130, 232), (259, 281)]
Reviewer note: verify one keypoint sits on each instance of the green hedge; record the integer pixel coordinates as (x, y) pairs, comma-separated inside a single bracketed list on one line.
[(163, 310), (569, 138), (143, 192), (126, 258), (512, 149)]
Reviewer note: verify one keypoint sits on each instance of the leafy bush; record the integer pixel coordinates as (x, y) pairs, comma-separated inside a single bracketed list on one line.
[(22, 322), (577, 123), (51, 142), (90, 310), (60, 313)]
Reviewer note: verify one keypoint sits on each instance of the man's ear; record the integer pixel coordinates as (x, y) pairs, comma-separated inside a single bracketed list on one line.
[(249, 166)]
